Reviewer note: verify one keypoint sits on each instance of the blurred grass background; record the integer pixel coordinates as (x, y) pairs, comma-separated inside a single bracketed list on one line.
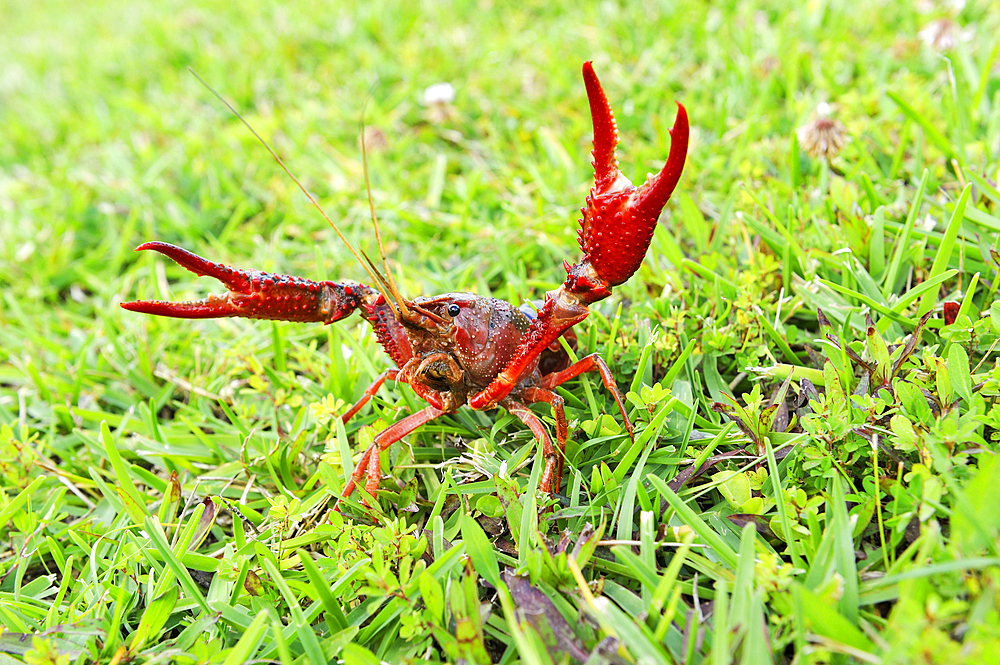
[(106, 140)]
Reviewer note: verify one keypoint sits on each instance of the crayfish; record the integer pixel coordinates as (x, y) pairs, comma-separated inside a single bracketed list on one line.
[(464, 349)]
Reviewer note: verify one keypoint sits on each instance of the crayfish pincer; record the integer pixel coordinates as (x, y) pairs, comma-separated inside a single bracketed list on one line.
[(463, 349)]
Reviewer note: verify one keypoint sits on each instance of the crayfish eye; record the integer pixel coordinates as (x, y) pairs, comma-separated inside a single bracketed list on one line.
[(453, 309)]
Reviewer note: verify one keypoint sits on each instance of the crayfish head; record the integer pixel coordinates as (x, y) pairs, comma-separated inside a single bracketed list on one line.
[(423, 320), (447, 322), (480, 333)]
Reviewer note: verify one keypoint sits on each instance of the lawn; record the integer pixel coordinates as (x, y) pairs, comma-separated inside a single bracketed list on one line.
[(808, 350)]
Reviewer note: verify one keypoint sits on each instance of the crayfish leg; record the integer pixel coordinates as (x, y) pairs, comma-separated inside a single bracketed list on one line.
[(591, 363), (532, 395), (390, 374), (553, 464), (369, 466)]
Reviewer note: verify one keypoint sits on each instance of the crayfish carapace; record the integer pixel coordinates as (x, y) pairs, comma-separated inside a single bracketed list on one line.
[(461, 348)]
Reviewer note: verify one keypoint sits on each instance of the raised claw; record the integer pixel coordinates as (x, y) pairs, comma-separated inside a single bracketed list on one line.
[(619, 219), (615, 233), (253, 294)]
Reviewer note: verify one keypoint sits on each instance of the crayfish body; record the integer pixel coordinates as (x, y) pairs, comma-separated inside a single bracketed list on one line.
[(463, 349)]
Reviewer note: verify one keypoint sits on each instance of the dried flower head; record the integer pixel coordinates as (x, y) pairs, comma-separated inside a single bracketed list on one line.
[(375, 140), (822, 136)]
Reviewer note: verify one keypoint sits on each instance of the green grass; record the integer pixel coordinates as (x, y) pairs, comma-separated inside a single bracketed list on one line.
[(166, 486)]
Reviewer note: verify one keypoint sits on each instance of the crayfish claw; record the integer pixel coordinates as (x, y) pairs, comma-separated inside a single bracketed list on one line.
[(234, 279), (253, 294), (615, 233), (649, 199), (619, 219), (212, 307), (605, 162)]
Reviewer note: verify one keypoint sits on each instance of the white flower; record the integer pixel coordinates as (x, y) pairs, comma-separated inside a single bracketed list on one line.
[(438, 99), (439, 93)]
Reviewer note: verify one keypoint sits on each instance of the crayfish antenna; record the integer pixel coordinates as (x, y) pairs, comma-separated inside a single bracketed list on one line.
[(381, 280), (391, 283), (312, 199)]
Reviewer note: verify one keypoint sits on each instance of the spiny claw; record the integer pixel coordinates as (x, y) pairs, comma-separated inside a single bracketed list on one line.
[(616, 230), (619, 219), (253, 294)]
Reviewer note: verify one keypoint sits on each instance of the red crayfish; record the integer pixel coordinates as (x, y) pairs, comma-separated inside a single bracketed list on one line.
[(461, 349)]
